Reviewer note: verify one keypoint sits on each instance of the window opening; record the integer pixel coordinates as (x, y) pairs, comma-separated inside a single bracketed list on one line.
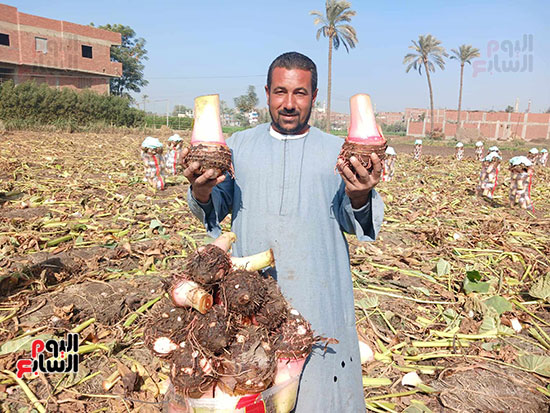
[(87, 51)]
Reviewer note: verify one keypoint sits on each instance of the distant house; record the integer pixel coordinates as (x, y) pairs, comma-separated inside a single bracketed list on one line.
[(253, 117), (55, 52)]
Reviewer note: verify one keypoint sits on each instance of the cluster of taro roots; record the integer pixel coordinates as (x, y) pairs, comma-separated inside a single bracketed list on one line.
[(388, 168), (155, 167), (459, 153), (488, 178), (236, 342), (520, 186), (417, 152)]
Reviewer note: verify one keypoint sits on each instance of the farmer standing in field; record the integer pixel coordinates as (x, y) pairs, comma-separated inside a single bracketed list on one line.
[(286, 196)]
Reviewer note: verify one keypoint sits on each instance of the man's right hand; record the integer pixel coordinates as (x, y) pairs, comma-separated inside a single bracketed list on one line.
[(201, 184)]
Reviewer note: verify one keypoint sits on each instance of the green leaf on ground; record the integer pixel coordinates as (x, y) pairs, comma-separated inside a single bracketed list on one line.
[(541, 289), (442, 267), (370, 301), (472, 283), (417, 407), (536, 364), (23, 343), (501, 305)]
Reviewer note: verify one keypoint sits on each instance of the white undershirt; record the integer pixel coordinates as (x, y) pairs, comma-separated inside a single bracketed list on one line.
[(282, 137)]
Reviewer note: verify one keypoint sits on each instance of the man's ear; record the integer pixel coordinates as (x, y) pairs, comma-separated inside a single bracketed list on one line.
[(266, 93), (314, 97)]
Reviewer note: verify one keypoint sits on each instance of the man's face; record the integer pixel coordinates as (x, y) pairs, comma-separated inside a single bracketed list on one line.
[(290, 100)]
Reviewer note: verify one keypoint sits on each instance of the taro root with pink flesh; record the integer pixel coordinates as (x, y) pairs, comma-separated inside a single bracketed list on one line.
[(208, 146), (249, 364), (364, 136), (187, 293)]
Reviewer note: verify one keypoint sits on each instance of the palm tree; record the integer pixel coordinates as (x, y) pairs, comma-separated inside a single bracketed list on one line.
[(334, 26), (464, 54), (428, 51)]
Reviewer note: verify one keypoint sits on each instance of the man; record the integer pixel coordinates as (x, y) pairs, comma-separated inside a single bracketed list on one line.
[(286, 196)]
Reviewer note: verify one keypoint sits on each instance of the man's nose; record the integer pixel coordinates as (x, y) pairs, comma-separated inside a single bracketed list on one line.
[(289, 102)]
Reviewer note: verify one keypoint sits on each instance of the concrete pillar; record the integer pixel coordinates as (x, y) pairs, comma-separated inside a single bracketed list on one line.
[(524, 129), (497, 129)]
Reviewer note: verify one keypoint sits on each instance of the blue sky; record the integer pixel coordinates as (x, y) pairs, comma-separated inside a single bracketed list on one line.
[(214, 46)]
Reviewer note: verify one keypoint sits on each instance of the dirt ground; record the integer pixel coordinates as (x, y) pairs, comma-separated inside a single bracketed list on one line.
[(86, 245)]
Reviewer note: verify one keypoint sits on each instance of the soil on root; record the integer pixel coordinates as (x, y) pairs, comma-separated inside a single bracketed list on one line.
[(217, 157), (212, 332), (249, 364), (294, 339), (362, 153), (274, 310), (208, 265), (243, 292), (191, 373)]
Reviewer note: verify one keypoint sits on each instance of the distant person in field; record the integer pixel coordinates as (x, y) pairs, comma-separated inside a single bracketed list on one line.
[(389, 164), (488, 177), (494, 149), (417, 149), (153, 162), (174, 155), (479, 150), (459, 151), (533, 155), (543, 160), (285, 196), (521, 170)]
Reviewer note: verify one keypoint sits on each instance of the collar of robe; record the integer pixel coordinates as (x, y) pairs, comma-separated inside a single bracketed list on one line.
[(282, 137)]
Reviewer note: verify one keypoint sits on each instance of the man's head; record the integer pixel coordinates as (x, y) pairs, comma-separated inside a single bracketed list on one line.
[(291, 91)]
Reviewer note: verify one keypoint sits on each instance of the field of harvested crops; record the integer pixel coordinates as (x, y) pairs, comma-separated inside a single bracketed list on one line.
[(454, 294)]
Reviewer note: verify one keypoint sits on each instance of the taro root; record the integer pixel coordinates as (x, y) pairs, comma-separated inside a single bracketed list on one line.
[(364, 136), (192, 374), (212, 331), (294, 339), (254, 262), (243, 292), (293, 342), (187, 293), (166, 328), (209, 264), (208, 146), (274, 309), (249, 364)]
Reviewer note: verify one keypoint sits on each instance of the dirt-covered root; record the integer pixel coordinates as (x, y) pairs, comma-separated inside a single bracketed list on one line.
[(362, 153), (249, 364), (274, 309), (217, 157), (208, 265), (192, 373), (294, 339), (243, 292), (166, 327), (212, 331)]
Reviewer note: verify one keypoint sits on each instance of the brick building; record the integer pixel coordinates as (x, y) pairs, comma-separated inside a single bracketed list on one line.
[(56, 52), (479, 125)]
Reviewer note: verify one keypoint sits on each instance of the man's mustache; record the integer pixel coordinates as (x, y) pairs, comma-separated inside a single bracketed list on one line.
[(288, 112)]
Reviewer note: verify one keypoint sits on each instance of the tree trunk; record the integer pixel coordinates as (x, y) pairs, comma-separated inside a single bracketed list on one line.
[(459, 98), (431, 99), (329, 86)]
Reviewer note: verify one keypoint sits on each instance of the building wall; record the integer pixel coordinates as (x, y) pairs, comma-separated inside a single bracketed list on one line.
[(63, 41), (490, 125)]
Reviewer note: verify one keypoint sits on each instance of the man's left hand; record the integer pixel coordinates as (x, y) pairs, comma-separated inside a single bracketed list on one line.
[(360, 183)]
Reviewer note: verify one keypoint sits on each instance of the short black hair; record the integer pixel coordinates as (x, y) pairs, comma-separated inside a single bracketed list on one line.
[(294, 60)]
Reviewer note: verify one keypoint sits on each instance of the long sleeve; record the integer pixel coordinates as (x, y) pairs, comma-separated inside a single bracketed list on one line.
[(364, 222), (216, 209)]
